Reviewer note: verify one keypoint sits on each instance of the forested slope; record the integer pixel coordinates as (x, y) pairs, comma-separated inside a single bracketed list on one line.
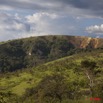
[(29, 52)]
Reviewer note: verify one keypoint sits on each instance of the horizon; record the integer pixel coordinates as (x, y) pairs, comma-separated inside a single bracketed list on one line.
[(47, 35)]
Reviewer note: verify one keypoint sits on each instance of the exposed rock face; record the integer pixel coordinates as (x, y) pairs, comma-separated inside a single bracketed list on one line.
[(76, 41), (86, 42)]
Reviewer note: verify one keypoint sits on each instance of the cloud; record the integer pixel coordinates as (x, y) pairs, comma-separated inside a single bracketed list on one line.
[(11, 26), (40, 23), (41, 15), (84, 7), (23, 18), (48, 17), (29, 4), (12, 23), (50, 23), (97, 29), (46, 23)]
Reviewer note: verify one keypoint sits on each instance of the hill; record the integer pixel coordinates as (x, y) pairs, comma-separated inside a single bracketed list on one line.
[(29, 52), (60, 81)]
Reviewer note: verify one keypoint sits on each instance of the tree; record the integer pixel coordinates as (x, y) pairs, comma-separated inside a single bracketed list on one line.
[(53, 89), (88, 68), (99, 90)]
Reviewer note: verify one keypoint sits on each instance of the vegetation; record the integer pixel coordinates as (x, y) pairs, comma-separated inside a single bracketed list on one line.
[(50, 69), (29, 52), (60, 81)]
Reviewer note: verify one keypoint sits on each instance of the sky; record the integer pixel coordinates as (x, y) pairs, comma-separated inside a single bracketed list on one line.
[(26, 18)]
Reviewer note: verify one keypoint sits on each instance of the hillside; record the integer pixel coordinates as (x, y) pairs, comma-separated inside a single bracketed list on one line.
[(66, 74), (29, 52)]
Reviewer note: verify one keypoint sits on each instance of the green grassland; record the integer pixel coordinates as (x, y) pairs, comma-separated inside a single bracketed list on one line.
[(18, 82)]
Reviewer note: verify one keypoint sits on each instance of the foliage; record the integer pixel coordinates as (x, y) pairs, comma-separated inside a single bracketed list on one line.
[(24, 53), (29, 52), (64, 76), (36, 75), (53, 89)]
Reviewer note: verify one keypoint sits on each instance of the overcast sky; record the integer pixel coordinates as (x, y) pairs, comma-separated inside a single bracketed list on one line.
[(25, 18)]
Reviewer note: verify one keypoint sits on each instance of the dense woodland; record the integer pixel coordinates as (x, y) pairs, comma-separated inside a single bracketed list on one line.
[(29, 52), (50, 70)]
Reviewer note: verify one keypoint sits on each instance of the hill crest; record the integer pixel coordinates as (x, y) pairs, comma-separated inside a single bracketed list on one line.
[(29, 52)]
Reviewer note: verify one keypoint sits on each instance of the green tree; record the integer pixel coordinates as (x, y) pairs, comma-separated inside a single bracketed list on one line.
[(88, 68), (53, 89)]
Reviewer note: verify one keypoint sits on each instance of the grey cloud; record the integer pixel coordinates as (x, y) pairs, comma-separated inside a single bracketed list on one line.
[(32, 5), (84, 4), (10, 23), (40, 23), (91, 7), (12, 26), (21, 5)]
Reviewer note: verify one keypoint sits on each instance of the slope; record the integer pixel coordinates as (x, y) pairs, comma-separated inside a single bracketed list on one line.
[(29, 52), (17, 86)]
